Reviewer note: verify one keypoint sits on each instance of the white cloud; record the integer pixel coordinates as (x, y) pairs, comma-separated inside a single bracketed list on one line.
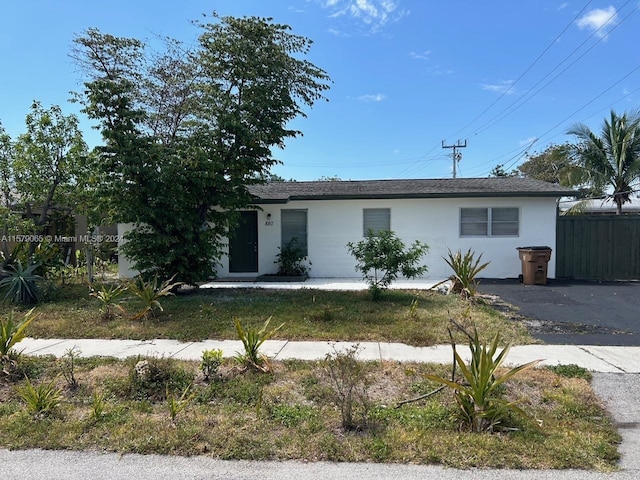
[(562, 6), (375, 14), (420, 55), (599, 20), (503, 87), (372, 97), (528, 141)]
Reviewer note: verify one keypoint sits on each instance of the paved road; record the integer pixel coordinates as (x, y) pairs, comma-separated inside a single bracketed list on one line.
[(576, 312)]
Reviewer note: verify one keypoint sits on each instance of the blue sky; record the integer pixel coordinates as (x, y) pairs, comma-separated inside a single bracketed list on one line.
[(508, 76)]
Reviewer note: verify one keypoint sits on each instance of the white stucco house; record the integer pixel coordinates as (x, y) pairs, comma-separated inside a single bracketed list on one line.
[(492, 216)]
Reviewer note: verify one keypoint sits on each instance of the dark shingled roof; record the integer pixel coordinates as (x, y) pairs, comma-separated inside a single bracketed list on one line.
[(282, 192)]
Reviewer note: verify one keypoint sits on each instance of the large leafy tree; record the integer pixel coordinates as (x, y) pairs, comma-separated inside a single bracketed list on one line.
[(187, 131), (549, 165), (610, 160), (42, 174)]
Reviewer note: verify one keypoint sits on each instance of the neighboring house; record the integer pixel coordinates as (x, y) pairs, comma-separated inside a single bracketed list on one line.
[(600, 207), (491, 216)]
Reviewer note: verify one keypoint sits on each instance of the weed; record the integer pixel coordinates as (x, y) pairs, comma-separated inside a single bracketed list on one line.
[(413, 309), (98, 404), (252, 339), (210, 363), (349, 380), (68, 366), (571, 371), (42, 400), (178, 404)]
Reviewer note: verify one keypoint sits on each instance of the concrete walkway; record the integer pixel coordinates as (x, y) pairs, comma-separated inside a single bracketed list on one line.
[(594, 358)]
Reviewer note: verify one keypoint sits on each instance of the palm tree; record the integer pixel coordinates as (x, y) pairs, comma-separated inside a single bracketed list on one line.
[(613, 158)]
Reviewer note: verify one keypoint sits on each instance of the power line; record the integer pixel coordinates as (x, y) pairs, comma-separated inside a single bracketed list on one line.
[(516, 104), (526, 70)]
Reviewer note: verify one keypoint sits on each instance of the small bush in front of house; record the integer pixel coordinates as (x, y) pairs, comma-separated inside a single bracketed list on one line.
[(291, 260), (382, 257)]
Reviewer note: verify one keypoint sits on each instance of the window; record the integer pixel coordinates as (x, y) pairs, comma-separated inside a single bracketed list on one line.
[(376, 219), (294, 225), (489, 222)]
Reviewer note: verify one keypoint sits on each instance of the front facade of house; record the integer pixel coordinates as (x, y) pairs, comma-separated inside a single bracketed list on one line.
[(492, 216)]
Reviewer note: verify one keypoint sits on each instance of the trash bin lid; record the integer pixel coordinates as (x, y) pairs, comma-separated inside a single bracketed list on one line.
[(538, 247)]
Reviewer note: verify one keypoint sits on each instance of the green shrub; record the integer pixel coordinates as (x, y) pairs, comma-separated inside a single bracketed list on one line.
[(210, 363), (68, 366), (291, 258), (381, 257), (150, 293)]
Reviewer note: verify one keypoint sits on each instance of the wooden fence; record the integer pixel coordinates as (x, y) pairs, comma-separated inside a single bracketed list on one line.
[(598, 247)]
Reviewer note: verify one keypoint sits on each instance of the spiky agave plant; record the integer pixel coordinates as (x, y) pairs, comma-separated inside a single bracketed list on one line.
[(481, 404), (252, 339), (465, 270)]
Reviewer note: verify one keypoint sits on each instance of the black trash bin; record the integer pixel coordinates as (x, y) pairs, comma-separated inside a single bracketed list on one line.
[(534, 264)]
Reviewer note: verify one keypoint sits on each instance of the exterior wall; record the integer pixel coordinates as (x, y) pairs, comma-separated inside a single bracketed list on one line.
[(333, 223), (125, 267)]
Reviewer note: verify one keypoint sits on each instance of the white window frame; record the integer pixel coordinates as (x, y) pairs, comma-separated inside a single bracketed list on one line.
[(366, 216), (490, 223)]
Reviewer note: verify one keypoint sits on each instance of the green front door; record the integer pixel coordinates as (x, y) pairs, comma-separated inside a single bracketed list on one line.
[(243, 244)]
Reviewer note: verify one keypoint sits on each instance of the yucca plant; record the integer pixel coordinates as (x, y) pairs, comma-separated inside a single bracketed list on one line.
[(41, 400), (178, 404), (150, 294), (22, 284), (109, 296), (480, 400), (12, 332), (465, 268), (252, 339)]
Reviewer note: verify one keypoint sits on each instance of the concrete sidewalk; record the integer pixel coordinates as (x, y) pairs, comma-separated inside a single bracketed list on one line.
[(594, 358)]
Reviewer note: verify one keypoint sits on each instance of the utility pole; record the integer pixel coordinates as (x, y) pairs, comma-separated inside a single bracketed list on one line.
[(457, 156)]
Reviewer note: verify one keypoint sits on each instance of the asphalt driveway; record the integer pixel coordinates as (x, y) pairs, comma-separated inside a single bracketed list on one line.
[(574, 312)]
